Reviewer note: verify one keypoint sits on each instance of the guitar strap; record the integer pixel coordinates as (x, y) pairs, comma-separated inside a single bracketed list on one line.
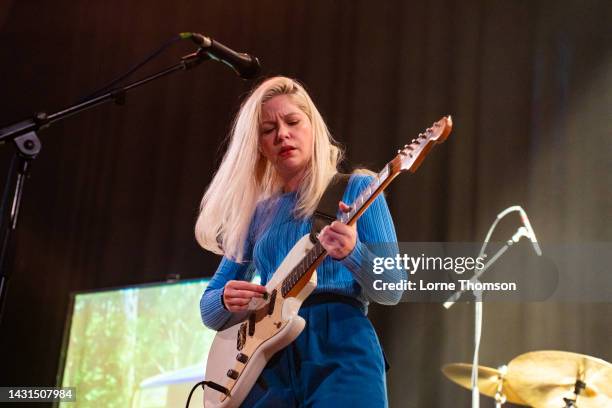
[(326, 212), (327, 209)]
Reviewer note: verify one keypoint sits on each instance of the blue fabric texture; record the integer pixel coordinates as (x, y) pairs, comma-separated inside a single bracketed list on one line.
[(337, 359), (335, 362)]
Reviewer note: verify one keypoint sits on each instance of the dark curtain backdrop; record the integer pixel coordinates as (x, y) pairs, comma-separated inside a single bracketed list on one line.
[(114, 194)]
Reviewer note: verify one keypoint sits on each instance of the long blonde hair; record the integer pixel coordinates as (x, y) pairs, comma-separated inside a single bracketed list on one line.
[(246, 177)]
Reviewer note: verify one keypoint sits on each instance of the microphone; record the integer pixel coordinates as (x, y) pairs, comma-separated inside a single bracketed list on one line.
[(530, 231), (245, 65)]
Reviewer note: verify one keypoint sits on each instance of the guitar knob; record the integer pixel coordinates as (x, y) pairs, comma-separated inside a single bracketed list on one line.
[(242, 358), (233, 374)]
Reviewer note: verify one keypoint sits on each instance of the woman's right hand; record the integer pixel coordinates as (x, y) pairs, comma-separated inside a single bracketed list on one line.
[(237, 294)]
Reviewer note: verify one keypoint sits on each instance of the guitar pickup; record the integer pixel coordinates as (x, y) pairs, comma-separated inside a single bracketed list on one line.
[(272, 302), (251, 324), (241, 339)]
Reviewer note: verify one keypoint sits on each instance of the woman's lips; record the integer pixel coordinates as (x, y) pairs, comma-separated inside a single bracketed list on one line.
[(286, 151)]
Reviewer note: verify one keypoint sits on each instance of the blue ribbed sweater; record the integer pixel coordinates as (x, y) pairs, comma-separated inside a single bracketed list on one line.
[(273, 232)]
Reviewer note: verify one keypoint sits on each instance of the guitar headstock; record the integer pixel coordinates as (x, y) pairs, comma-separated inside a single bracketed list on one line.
[(410, 157)]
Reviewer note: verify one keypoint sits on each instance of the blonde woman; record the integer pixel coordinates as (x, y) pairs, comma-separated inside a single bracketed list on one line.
[(278, 164)]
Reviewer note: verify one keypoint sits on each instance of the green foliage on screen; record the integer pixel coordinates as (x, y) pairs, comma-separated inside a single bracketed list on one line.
[(120, 338)]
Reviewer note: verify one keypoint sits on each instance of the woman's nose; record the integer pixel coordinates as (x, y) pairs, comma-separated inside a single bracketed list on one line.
[(282, 132)]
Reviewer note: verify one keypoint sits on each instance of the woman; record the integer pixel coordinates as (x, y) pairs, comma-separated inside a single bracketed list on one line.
[(279, 162)]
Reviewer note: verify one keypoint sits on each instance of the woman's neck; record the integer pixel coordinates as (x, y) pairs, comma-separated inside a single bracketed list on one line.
[(291, 183)]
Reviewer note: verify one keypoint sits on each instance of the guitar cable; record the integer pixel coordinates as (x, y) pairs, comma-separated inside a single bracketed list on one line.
[(202, 383), (212, 385)]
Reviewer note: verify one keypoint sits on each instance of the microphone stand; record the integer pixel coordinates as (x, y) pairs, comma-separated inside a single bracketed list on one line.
[(24, 135), (521, 232)]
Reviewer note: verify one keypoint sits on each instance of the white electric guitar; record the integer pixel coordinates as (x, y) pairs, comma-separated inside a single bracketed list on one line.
[(239, 353)]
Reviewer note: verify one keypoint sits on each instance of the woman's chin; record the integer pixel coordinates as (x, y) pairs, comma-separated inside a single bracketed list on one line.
[(292, 163)]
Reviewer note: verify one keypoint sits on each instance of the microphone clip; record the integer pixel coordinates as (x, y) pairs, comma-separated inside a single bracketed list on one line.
[(194, 59)]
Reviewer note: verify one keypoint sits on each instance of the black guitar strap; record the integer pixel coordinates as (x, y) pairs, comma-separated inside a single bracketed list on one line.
[(327, 209), (326, 212)]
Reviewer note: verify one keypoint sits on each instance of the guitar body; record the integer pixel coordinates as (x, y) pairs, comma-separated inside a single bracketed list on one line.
[(258, 334)]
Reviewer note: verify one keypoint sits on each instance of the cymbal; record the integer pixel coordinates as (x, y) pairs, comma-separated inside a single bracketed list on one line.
[(488, 380), (544, 378)]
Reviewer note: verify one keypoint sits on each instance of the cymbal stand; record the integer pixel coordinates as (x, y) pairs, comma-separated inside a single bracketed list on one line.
[(500, 397), (578, 387), (478, 294)]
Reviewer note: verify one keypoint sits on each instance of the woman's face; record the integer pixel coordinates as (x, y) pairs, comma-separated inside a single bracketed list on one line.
[(285, 136)]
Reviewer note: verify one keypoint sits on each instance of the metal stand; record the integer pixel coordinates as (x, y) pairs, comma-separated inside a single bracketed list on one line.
[(28, 146), (578, 387), (478, 310), (500, 397), (24, 136)]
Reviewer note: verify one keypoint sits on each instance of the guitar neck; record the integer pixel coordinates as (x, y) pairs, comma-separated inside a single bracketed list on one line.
[(316, 255)]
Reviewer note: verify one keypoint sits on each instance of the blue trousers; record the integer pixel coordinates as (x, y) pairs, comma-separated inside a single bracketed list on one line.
[(335, 362)]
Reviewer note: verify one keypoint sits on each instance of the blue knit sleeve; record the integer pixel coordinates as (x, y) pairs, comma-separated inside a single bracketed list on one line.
[(374, 227), (214, 314)]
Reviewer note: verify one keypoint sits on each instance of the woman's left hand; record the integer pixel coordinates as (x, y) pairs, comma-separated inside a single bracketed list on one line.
[(339, 239)]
